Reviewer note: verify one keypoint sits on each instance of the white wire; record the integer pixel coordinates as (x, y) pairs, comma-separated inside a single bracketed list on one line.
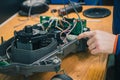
[(28, 18), (29, 13), (72, 28), (50, 24), (69, 26), (77, 15), (56, 25), (7, 54)]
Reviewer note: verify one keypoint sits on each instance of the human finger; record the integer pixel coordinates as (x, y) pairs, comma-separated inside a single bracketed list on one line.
[(92, 46), (86, 34), (95, 51), (91, 40)]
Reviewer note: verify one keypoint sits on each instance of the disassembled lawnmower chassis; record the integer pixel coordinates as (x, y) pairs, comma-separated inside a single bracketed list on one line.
[(40, 48)]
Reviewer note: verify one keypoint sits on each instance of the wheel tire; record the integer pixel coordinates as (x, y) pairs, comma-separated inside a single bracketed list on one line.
[(36, 8)]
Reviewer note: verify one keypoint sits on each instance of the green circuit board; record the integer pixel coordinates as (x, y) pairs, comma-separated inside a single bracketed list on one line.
[(64, 23)]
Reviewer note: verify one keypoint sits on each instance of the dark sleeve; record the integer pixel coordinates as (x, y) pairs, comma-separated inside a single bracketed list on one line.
[(117, 45), (116, 17), (117, 58)]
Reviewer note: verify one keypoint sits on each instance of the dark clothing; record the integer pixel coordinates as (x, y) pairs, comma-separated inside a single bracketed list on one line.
[(116, 30), (116, 17), (117, 60)]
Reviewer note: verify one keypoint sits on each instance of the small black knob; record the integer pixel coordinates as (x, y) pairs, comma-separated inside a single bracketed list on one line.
[(28, 29)]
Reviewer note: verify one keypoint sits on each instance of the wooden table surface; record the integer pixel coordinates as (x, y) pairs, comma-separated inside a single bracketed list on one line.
[(80, 66)]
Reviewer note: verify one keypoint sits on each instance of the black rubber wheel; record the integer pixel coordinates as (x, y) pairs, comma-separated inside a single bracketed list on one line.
[(61, 77), (37, 7), (97, 12)]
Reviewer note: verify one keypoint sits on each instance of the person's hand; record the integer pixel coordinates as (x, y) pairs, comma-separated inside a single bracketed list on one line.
[(99, 41)]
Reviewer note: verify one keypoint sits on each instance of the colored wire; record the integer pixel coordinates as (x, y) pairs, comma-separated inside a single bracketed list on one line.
[(50, 24), (56, 25), (72, 28), (77, 15)]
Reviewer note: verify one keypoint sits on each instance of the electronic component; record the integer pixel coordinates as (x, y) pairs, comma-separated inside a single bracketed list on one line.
[(69, 9), (31, 38), (67, 22)]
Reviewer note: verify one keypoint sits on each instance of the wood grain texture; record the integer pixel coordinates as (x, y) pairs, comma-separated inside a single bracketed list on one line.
[(80, 66)]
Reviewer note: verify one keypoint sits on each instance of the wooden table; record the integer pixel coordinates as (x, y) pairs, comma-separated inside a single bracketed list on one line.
[(80, 66)]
